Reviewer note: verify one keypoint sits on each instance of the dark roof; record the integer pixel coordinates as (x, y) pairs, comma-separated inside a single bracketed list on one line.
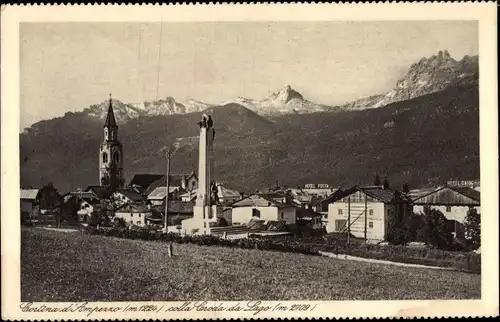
[(175, 181), (376, 192), (379, 193), (110, 118), (99, 191), (447, 195), (132, 195), (144, 180), (339, 193), (468, 192)]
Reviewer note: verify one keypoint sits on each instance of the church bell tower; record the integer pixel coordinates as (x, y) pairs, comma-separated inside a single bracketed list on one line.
[(110, 154)]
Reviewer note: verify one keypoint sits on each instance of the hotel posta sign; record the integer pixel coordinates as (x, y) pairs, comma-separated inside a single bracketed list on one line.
[(317, 186)]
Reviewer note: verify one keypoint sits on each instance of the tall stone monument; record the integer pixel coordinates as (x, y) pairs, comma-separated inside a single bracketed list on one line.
[(206, 206)]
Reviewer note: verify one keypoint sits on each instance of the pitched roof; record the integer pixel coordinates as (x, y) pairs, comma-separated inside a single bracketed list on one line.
[(144, 180), (417, 193), (161, 192), (99, 191), (87, 196), (447, 195), (227, 193), (29, 194), (258, 200), (175, 181), (110, 118), (379, 193), (376, 192), (132, 195)]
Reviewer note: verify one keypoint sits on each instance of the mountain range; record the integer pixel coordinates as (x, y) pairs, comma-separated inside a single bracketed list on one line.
[(431, 131), (429, 75)]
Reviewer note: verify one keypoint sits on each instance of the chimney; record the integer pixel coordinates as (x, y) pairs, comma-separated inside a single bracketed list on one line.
[(241, 195)]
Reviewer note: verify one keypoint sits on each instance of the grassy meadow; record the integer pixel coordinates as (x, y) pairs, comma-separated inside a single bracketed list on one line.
[(70, 266)]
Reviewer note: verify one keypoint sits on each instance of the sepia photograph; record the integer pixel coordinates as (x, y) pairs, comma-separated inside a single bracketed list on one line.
[(252, 161)]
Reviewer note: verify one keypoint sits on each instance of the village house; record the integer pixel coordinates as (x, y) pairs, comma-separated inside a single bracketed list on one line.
[(141, 182), (87, 202), (321, 206), (134, 214), (225, 195), (177, 211), (147, 183), (453, 202), (122, 197), (158, 195), (364, 211), (29, 203), (307, 219), (98, 192), (262, 207)]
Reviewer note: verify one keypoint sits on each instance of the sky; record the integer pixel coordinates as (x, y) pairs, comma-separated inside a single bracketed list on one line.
[(69, 66)]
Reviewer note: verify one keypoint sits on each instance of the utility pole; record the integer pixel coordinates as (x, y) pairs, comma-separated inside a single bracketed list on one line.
[(366, 218), (348, 219), (165, 223)]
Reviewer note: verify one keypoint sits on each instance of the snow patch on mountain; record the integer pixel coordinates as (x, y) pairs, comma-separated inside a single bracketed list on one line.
[(285, 101)]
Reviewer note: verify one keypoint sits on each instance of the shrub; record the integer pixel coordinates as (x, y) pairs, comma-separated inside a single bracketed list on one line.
[(472, 225), (436, 231)]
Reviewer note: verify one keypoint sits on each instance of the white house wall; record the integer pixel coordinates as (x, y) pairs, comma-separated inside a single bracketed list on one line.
[(375, 218), (288, 215), (138, 219), (242, 215)]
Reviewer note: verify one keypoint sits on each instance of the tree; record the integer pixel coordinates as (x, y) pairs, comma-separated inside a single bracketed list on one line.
[(119, 223), (50, 199), (406, 188), (472, 226), (386, 183), (435, 230), (69, 210), (376, 181), (397, 232)]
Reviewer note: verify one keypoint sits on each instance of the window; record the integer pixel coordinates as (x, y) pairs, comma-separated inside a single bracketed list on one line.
[(255, 213), (138, 223), (281, 215), (139, 215), (370, 224), (340, 211), (370, 212), (131, 215), (104, 157), (448, 208)]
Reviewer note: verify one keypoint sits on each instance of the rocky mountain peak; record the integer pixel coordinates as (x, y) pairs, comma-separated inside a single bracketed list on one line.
[(286, 94)]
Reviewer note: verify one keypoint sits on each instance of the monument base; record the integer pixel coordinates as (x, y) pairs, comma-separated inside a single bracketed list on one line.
[(203, 216)]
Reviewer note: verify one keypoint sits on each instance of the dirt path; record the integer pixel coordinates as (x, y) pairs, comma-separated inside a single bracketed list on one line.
[(361, 259)]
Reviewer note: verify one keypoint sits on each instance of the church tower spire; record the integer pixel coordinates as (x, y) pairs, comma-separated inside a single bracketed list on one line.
[(110, 155)]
